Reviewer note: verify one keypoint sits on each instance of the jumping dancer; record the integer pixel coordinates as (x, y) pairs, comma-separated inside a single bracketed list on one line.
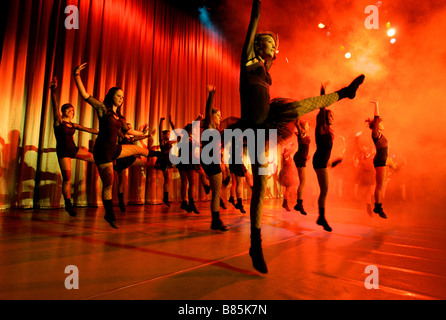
[(321, 158), (238, 172), (211, 123), (380, 161), (163, 163), (300, 160), (106, 148), (66, 149), (187, 174), (324, 144), (257, 112)]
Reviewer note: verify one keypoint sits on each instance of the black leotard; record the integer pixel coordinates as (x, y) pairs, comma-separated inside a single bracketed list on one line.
[(254, 93), (65, 146), (106, 148), (381, 145), (211, 168), (324, 144), (163, 161), (301, 156)]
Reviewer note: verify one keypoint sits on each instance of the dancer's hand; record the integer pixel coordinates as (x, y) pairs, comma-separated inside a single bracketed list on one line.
[(129, 138), (78, 69), (210, 88), (53, 83), (145, 128)]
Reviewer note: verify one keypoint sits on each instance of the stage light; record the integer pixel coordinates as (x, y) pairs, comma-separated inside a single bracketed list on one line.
[(391, 32), (392, 41), (205, 18), (347, 55), (321, 25)]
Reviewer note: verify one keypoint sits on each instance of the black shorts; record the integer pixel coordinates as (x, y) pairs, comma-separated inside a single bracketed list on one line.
[(320, 162), (300, 162), (211, 169), (237, 169), (66, 152), (104, 154), (380, 158)]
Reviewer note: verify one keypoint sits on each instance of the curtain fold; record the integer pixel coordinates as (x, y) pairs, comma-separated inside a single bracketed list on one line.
[(162, 59)]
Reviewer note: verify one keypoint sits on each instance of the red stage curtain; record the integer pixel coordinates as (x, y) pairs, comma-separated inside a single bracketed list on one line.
[(162, 59)]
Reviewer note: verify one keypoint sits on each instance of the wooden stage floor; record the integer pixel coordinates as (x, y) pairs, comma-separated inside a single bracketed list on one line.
[(161, 253)]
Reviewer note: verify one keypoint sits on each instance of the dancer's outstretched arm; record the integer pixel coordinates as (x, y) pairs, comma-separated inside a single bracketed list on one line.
[(96, 104), (375, 130), (56, 113), (375, 102), (248, 52), (82, 128), (134, 132), (209, 102), (80, 85), (160, 131)]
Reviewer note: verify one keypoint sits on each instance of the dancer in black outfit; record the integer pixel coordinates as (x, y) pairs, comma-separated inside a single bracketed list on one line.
[(187, 173), (163, 163), (300, 160), (106, 148), (380, 161), (321, 159), (211, 123), (258, 112), (66, 149), (238, 172)]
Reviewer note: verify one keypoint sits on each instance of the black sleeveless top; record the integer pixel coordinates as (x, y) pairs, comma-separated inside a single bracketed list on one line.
[(65, 146), (254, 93), (106, 148), (301, 156), (381, 146), (324, 143)]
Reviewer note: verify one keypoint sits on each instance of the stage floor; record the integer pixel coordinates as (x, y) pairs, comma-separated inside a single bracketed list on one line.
[(161, 253)]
